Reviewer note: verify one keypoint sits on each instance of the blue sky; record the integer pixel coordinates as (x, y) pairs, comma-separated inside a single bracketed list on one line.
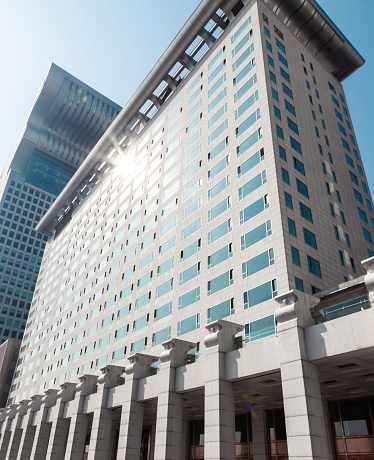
[(112, 45)]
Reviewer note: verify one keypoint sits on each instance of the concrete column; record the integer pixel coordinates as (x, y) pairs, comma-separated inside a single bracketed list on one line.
[(60, 426), (169, 430), (185, 440), (8, 415), (219, 414), (130, 433), (28, 430), (101, 432), (305, 423), (79, 421), (259, 436), (368, 264), (42, 429), (16, 434)]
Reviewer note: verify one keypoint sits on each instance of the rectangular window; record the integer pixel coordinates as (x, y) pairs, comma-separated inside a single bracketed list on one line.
[(240, 30), (287, 90), (314, 266), (220, 256), (260, 294), (191, 229), (164, 248), (277, 113), (295, 145), (367, 235), (165, 267), (244, 72), (285, 176), (280, 132), (302, 188), (254, 209), (222, 310), (161, 336), (217, 150), (249, 164), (190, 250), (249, 142), (189, 298), (190, 273), (219, 187), (220, 282), (258, 263), (138, 346), (191, 209), (219, 209), (188, 325), (192, 190), (362, 215), (341, 258), (288, 200), (292, 227), (299, 166), (292, 125), (164, 288), (143, 301), (310, 238), (245, 88), (306, 212), (283, 61), (285, 74), (219, 231), (163, 311), (252, 185), (243, 57), (140, 323), (295, 256), (247, 123)]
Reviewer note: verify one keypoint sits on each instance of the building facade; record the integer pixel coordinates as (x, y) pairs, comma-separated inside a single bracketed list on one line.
[(66, 120), (184, 305)]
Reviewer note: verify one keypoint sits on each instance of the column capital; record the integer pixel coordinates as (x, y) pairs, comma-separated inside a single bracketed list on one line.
[(110, 375), (175, 351), (67, 391), (221, 335), (294, 309), (50, 397), (23, 406), (86, 384), (368, 264), (139, 364), (35, 403)]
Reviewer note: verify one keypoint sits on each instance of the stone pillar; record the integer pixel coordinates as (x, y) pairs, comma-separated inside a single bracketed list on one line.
[(168, 441), (368, 264), (59, 425), (101, 432), (303, 409), (259, 436), (6, 429), (28, 428), (79, 421), (219, 414), (130, 432), (42, 429), (15, 437)]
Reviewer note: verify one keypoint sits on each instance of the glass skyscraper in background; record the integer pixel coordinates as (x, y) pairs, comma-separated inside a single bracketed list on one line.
[(66, 120)]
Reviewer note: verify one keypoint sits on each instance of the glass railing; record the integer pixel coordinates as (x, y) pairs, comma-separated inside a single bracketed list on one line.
[(342, 309), (260, 334)]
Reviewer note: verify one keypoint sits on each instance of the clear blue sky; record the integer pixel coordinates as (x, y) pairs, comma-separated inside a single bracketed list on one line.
[(112, 45)]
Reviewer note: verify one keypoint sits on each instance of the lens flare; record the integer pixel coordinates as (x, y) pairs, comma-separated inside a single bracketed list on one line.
[(250, 403)]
